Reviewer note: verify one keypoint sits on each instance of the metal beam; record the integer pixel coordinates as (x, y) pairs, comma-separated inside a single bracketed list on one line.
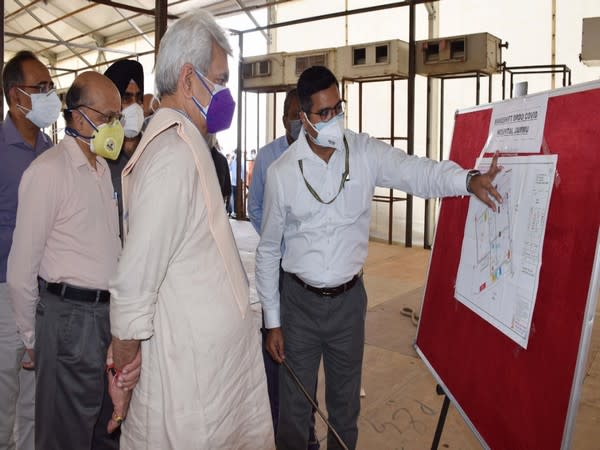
[(410, 126), (254, 21), (160, 23), (51, 31), (337, 14), (150, 12), (20, 10), (58, 42), (93, 66), (135, 27)]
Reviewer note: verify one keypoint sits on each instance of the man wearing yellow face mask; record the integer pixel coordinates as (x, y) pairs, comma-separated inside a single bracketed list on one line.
[(65, 248)]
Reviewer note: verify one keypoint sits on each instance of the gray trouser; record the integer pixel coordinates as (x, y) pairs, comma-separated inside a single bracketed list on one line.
[(72, 402), (315, 326), (17, 386)]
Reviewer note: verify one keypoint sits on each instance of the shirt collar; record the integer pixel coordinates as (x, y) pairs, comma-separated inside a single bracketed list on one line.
[(77, 157), (12, 136)]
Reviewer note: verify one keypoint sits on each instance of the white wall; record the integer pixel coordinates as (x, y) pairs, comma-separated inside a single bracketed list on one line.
[(525, 24)]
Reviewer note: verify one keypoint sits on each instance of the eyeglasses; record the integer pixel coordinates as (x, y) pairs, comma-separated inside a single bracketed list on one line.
[(327, 113), (43, 88), (107, 118)]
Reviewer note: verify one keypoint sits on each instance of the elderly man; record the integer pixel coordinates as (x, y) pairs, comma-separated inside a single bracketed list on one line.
[(180, 289), (128, 77), (32, 104), (65, 248), (318, 201)]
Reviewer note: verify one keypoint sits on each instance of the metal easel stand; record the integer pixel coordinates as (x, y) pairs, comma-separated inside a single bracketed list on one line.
[(442, 419)]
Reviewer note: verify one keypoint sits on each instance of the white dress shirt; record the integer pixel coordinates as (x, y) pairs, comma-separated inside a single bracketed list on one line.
[(326, 245)]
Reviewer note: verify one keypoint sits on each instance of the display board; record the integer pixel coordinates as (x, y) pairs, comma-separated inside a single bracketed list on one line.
[(514, 397)]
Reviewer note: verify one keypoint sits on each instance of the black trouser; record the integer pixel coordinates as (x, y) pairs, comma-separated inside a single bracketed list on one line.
[(72, 402), (315, 326)]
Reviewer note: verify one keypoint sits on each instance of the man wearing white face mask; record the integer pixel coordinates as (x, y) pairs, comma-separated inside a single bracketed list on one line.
[(33, 104), (266, 156), (318, 201), (65, 248), (128, 77)]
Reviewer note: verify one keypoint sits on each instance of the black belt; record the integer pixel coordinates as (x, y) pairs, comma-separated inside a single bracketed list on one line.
[(76, 293), (328, 291)]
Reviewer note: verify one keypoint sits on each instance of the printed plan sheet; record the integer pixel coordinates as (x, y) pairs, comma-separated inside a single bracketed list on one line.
[(502, 251)]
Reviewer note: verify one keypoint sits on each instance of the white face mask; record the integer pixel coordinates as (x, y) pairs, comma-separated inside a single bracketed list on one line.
[(330, 133), (133, 119), (45, 108)]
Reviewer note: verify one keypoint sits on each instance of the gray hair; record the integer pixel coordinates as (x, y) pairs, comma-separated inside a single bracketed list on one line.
[(189, 40)]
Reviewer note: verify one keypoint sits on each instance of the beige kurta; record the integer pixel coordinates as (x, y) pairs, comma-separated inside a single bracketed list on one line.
[(181, 289)]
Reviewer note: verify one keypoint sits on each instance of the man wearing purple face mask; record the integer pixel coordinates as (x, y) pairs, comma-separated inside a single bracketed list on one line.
[(180, 292)]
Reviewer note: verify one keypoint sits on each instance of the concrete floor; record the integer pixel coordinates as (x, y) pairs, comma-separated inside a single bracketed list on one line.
[(400, 410)]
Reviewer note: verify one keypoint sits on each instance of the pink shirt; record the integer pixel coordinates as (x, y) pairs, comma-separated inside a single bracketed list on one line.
[(67, 229)]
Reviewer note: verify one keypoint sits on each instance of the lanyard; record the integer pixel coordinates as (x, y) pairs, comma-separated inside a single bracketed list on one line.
[(345, 177)]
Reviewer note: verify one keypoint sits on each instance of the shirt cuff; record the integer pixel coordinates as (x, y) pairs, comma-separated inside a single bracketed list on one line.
[(460, 183), (132, 318), (272, 318)]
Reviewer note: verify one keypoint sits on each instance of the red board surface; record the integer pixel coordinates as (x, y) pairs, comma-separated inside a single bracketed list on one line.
[(518, 398)]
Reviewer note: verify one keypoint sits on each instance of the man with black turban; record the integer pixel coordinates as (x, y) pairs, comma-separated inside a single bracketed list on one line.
[(128, 76)]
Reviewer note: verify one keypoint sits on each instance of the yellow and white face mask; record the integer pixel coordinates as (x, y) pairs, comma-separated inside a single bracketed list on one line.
[(106, 140)]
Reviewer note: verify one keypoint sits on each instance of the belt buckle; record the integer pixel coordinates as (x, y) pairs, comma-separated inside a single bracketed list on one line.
[(326, 292)]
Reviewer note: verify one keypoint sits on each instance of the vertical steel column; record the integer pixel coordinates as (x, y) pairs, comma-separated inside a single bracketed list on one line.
[(238, 150), (441, 119), (274, 117), (489, 89), (160, 23), (392, 134), (504, 81), (429, 211), (360, 101), (478, 88), (412, 54)]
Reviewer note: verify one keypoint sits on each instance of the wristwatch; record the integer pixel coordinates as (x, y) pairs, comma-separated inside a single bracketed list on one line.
[(470, 175)]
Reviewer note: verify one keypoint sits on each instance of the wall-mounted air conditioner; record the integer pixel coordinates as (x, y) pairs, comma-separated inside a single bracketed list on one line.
[(590, 41), (296, 63), (263, 73), (373, 60), (480, 52)]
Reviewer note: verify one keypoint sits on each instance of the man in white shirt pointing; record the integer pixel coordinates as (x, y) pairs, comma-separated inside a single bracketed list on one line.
[(318, 200)]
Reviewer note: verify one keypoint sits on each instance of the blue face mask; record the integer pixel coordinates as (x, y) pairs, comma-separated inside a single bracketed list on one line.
[(295, 128), (219, 111)]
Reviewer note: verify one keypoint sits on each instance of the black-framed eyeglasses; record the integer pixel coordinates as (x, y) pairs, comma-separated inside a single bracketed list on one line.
[(327, 113), (107, 118), (43, 88)]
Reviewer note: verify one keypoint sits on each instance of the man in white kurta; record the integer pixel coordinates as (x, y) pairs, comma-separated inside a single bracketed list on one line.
[(180, 288)]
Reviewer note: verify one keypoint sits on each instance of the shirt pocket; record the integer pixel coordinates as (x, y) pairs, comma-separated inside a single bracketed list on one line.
[(356, 199)]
